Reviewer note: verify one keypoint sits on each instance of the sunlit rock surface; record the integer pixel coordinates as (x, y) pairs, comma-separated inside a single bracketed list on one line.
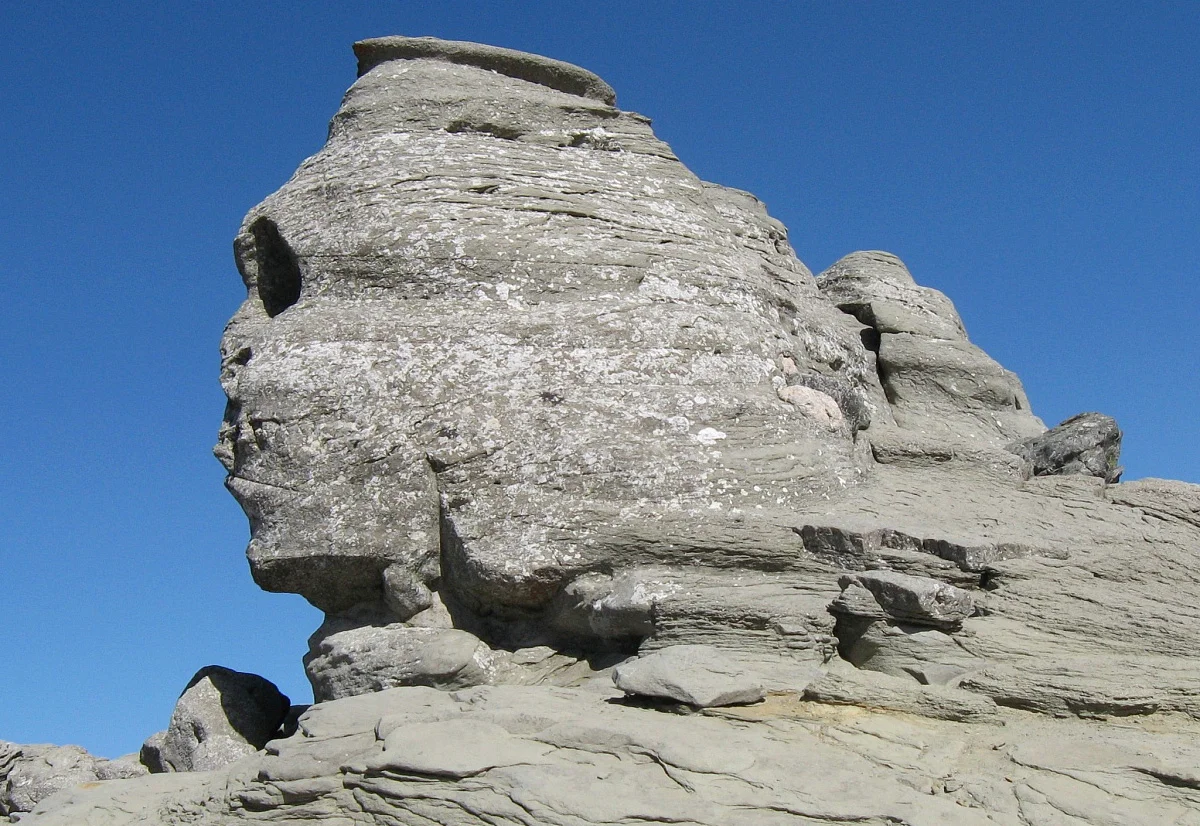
[(514, 398)]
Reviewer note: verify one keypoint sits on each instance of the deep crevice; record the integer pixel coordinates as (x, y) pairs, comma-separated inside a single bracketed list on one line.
[(279, 278)]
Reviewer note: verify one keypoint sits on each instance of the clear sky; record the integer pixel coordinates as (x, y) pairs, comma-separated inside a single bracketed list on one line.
[(1036, 161)]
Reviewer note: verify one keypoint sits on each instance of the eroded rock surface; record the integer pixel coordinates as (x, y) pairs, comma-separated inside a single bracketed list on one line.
[(222, 716), (514, 397), (32, 773), (1089, 443), (541, 756)]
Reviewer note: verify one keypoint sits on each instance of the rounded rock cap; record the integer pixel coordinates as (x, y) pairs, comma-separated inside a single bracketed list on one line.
[(544, 71)]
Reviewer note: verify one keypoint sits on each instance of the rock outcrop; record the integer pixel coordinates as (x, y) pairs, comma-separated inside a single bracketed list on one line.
[(1089, 443), (515, 397), (221, 716), (31, 773), (699, 676)]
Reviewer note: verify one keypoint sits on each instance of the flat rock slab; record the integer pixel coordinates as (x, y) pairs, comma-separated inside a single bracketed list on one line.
[(699, 675), (914, 599), (454, 748)]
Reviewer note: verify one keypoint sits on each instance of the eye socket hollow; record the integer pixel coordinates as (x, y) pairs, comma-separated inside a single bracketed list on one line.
[(278, 272)]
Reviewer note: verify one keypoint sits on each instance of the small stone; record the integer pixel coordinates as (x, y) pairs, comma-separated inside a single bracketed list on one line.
[(813, 404), (698, 675)]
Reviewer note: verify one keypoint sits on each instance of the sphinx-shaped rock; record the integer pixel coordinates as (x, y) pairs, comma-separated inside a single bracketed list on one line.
[(514, 397), (508, 372), (516, 343)]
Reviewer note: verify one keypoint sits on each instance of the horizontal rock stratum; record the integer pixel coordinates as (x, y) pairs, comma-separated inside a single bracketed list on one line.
[(515, 398)]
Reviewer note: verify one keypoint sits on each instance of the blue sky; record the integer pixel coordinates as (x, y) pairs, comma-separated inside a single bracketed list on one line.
[(1036, 161)]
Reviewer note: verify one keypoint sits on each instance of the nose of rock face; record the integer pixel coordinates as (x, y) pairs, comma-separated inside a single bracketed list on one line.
[(502, 337)]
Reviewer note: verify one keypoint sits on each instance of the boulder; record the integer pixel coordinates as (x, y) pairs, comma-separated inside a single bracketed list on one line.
[(151, 753), (1089, 444), (34, 772), (222, 716), (346, 658), (125, 767), (912, 599), (698, 675)]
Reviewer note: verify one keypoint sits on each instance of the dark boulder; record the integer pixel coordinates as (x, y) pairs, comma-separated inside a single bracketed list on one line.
[(1088, 444)]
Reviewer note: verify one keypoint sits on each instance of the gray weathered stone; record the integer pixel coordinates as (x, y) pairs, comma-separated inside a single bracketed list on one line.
[(347, 659), (927, 655), (151, 754), (32, 773), (616, 324), (935, 381), (876, 750), (511, 383), (698, 675), (121, 768), (1089, 443), (454, 749), (871, 689), (222, 716), (903, 597)]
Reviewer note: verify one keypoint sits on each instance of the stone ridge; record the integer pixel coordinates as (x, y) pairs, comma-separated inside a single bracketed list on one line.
[(544, 71)]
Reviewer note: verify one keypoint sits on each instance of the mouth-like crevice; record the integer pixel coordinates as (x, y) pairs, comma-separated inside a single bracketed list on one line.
[(234, 479)]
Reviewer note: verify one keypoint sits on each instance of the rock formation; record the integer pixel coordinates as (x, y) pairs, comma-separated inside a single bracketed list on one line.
[(514, 398), (222, 715)]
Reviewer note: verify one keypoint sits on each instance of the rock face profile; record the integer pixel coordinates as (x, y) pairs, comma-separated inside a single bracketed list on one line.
[(618, 514)]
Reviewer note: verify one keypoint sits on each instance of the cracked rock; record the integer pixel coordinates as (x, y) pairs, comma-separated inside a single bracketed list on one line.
[(699, 675), (1088, 444), (912, 599)]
